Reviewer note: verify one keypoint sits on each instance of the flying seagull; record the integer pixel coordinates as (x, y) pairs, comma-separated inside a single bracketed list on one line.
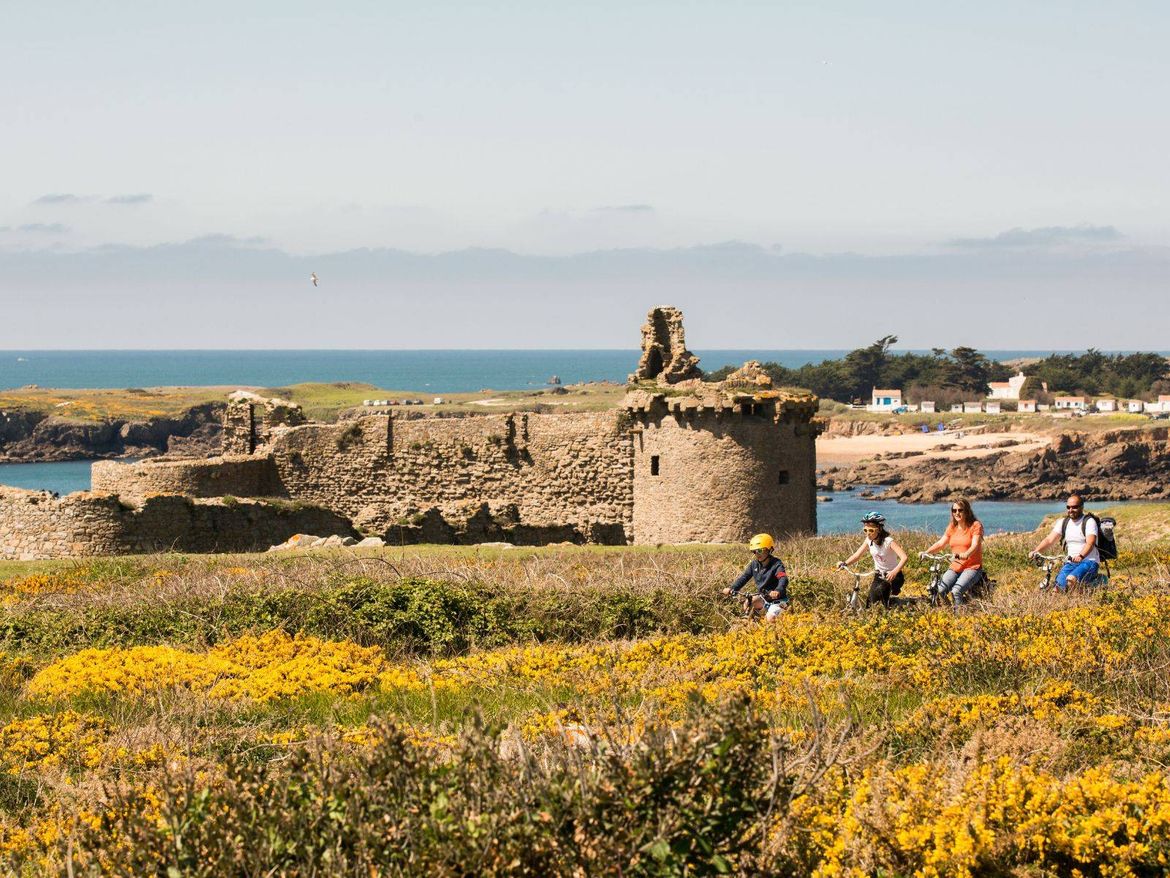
[(313, 278)]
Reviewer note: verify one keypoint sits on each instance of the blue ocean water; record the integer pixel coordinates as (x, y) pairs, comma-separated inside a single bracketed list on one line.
[(438, 371), (64, 477), (843, 514)]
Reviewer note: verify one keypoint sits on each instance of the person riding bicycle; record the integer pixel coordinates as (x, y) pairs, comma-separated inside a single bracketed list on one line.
[(964, 538), (888, 558), (770, 577), (1080, 539)]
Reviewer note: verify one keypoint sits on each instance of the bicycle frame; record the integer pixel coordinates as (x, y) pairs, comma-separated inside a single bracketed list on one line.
[(938, 563), (747, 603), (853, 602), (1048, 563)]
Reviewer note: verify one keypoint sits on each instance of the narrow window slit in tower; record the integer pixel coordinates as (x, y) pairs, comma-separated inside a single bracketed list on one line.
[(653, 464), (783, 477)]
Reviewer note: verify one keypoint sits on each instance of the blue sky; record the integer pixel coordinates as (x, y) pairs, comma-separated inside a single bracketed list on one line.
[(916, 152)]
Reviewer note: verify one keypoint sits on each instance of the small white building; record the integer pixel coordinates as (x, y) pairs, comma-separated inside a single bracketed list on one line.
[(1105, 404), (991, 407), (1135, 406), (957, 408), (972, 408), (926, 406), (885, 400), (1027, 406), (1070, 403), (1161, 407), (1009, 389)]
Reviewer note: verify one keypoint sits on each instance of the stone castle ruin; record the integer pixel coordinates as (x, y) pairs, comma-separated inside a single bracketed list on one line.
[(679, 460)]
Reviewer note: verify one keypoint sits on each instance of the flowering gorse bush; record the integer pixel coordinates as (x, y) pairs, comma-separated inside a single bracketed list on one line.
[(257, 668)]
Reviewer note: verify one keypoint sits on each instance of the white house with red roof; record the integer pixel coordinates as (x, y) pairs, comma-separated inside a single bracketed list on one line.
[(1009, 389)]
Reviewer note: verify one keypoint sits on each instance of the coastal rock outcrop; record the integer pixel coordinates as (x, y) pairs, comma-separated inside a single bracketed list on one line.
[(35, 436), (1132, 464)]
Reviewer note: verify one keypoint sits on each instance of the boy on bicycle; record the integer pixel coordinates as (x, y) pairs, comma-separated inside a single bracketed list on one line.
[(770, 577)]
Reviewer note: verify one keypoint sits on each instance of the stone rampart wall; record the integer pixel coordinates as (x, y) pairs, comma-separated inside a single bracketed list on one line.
[(35, 525), (234, 475), (553, 470)]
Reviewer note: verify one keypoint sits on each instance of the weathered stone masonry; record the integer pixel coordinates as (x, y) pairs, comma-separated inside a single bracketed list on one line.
[(721, 470), (34, 524), (679, 461)]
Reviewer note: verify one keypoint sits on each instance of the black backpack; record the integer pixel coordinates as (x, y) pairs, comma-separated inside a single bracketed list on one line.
[(1106, 540)]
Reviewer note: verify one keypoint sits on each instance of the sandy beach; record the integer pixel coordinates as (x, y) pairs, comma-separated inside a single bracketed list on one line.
[(845, 450)]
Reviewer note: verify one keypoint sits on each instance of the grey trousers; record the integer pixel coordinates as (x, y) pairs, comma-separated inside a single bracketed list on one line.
[(958, 584)]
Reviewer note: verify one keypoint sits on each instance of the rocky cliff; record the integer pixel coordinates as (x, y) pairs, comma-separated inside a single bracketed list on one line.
[(1128, 464), (35, 436)]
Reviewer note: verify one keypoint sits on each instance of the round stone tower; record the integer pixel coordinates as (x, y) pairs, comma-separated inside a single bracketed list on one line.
[(717, 469)]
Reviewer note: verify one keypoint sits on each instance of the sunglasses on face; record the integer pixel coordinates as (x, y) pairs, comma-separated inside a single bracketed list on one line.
[(1077, 506), (956, 511)]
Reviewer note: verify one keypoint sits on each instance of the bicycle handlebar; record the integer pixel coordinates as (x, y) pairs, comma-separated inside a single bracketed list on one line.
[(860, 574), (934, 557)]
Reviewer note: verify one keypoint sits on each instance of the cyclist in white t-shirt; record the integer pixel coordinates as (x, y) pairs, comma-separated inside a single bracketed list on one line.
[(1080, 540), (888, 558)]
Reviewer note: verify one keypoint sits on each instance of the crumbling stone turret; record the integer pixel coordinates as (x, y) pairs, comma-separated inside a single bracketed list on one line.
[(750, 374), (665, 357)]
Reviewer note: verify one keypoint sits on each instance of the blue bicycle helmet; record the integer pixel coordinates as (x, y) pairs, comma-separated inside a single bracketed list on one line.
[(873, 518)]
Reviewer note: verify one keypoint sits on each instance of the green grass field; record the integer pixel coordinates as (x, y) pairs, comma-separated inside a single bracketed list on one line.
[(569, 710)]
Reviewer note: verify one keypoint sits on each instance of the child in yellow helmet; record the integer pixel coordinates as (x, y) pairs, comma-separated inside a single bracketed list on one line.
[(770, 577)]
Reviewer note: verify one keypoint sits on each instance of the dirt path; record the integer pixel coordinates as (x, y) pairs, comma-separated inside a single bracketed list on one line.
[(845, 450)]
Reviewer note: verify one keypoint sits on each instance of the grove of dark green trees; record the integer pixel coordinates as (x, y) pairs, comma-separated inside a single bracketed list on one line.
[(965, 373)]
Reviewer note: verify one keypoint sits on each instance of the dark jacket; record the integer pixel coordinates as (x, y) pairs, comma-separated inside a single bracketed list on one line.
[(769, 576)]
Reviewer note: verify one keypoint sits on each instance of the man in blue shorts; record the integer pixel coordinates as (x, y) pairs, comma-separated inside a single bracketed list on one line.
[(1079, 533)]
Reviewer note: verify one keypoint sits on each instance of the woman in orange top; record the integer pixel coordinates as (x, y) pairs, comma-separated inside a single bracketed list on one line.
[(964, 537)]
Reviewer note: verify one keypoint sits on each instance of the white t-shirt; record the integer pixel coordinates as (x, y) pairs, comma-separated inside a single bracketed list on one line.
[(884, 557), (1076, 535)]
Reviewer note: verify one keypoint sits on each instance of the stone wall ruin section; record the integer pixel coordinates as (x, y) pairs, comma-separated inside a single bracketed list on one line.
[(36, 525), (541, 471)]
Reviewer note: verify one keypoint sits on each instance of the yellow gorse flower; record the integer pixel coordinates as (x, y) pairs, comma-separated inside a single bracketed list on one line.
[(258, 668)]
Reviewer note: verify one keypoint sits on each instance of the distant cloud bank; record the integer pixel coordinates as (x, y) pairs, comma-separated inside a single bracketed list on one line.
[(221, 290), (57, 199), (625, 208), (1047, 236), (38, 228), (134, 198)]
